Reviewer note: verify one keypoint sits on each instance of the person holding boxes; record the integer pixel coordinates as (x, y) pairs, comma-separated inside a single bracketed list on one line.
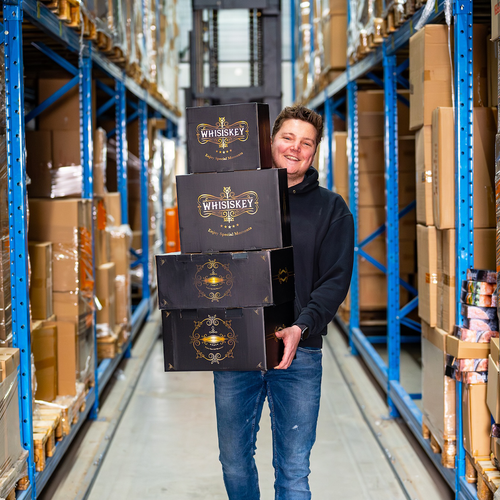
[(322, 232)]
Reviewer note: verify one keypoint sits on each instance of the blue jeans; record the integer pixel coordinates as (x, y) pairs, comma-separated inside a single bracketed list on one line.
[(293, 398)]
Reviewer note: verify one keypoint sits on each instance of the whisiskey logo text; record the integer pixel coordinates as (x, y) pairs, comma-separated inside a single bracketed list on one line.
[(227, 205), (223, 135)]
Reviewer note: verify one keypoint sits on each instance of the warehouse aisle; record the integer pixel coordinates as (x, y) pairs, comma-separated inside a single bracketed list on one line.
[(166, 444)]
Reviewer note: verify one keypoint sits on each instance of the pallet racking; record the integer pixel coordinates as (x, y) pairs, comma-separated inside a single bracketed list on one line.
[(344, 90), (17, 14)]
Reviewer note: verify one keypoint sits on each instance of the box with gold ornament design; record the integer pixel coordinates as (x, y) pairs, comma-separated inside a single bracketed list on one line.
[(233, 211), (226, 279), (224, 339), (227, 138)]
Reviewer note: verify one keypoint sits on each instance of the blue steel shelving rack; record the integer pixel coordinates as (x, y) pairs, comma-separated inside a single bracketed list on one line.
[(400, 403), (11, 36)]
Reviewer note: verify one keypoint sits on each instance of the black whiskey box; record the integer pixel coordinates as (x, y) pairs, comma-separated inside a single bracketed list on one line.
[(230, 279), (227, 138), (233, 211), (224, 339)]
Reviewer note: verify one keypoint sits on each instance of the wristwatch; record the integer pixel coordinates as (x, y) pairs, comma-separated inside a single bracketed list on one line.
[(304, 332)]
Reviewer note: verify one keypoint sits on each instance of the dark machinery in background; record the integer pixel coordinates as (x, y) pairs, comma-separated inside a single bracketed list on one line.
[(264, 54)]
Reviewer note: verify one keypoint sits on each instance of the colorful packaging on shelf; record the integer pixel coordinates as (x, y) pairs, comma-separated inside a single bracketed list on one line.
[(481, 325), (477, 312), (228, 138), (474, 336), (482, 275), (478, 300), (227, 279), (224, 339), (232, 211), (479, 287)]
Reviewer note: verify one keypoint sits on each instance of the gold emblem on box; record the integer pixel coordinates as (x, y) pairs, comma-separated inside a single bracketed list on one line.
[(272, 335), (213, 280), (222, 134), (283, 275), (227, 205), (213, 339)]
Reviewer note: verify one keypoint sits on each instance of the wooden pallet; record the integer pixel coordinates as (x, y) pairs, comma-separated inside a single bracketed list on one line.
[(15, 478), (447, 451), (482, 470), (46, 428), (107, 347)]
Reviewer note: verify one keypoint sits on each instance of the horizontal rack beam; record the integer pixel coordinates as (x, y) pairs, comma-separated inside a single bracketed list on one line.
[(394, 42), (42, 17)]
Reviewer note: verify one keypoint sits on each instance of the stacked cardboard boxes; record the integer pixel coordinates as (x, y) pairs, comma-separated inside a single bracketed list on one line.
[(11, 449), (371, 198), (431, 116), (232, 288), (67, 224), (5, 284)]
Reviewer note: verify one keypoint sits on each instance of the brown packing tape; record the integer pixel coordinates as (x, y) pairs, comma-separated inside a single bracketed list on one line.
[(431, 278), (448, 281)]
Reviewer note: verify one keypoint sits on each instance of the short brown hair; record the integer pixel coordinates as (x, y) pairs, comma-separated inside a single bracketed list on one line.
[(299, 112)]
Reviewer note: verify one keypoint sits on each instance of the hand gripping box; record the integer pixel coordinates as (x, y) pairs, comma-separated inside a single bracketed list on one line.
[(233, 211), (227, 138), (230, 279), (224, 339)]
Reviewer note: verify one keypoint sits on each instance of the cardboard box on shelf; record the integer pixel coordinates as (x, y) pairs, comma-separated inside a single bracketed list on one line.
[(335, 41), (484, 258), (443, 167), (9, 361), (492, 54), (113, 208), (67, 223), (39, 162), (65, 148), (476, 420), (371, 117), (340, 165), (44, 349), (438, 391), (74, 307), (494, 350), (427, 273), (371, 218), (105, 293), (120, 243), (100, 157), (423, 167), (41, 279), (66, 357), (122, 299), (492, 391), (65, 113), (430, 73), (461, 349)]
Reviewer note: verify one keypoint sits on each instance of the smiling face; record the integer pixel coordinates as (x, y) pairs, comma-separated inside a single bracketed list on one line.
[(293, 148)]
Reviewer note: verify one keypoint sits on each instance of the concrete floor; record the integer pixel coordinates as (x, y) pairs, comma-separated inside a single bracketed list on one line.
[(166, 444)]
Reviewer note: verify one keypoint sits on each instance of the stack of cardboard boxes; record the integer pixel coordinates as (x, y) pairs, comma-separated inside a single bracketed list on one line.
[(432, 119), (327, 32), (371, 197), (232, 288), (11, 449)]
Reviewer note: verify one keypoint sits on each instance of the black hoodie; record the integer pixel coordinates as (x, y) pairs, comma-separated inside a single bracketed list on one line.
[(323, 251)]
